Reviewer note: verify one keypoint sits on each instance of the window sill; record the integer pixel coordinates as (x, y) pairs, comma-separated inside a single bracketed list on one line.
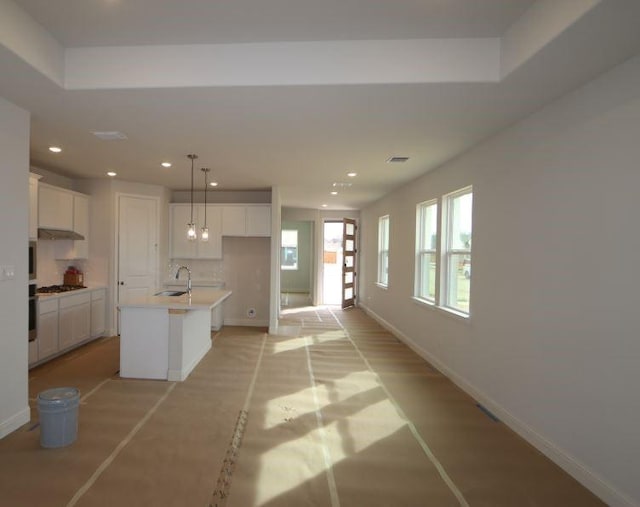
[(382, 286), (455, 314)]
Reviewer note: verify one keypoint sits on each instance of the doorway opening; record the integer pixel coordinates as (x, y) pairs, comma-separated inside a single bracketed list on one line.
[(296, 268), (332, 258)]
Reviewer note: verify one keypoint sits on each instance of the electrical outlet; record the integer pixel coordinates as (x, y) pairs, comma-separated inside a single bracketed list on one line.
[(251, 313)]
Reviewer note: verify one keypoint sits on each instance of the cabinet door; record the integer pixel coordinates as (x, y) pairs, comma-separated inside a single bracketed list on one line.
[(55, 208), (74, 325), (211, 249), (234, 221), (98, 311), (81, 322), (77, 249), (47, 334), (181, 247), (33, 207), (259, 220), (81, 226), (66, 327)]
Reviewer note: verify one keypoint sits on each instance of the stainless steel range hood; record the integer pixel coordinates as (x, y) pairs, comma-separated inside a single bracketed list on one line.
[(58, 234)]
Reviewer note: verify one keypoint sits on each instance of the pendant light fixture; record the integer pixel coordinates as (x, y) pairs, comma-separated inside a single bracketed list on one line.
[(204, 232), (191, 226)]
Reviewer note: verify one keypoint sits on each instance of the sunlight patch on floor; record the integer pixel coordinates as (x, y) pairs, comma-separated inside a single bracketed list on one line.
[(296, 462)]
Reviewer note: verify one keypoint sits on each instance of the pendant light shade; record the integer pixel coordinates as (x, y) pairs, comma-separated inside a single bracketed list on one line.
[(204, 232), (191, 226)]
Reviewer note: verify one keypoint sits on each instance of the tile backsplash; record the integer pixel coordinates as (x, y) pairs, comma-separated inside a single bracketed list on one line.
[(51, 271)]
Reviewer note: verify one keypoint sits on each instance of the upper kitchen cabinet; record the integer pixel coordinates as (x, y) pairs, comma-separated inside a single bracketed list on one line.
[(33, 206), (181, 247), (79, 248), (60, 209), (55, 208), (246, 220)]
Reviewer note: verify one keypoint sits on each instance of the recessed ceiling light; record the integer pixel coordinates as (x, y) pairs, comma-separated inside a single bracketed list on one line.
[(214, 183), (397, 160), (55, 149), (334, 193), (111, 173), (324, 205), (352, 175), (341, 184), (166, 164)]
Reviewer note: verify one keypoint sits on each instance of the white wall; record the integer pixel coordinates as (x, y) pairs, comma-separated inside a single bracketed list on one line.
[(14, 196), (552, 343)]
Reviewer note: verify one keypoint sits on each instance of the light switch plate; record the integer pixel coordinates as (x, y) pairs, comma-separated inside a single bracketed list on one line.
[(7, 272)]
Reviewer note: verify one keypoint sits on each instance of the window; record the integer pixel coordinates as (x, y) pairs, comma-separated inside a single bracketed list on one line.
[(457, 208), (426, 250), (289, 251), (383, 250)]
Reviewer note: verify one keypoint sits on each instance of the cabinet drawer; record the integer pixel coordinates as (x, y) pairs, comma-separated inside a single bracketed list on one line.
[(75, 300), (47, 305)]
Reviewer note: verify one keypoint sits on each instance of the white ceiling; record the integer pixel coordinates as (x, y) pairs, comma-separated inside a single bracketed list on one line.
[(426, 99)]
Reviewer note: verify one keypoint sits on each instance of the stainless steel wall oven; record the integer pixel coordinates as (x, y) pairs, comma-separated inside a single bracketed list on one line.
[(33, 265), (33, 313)]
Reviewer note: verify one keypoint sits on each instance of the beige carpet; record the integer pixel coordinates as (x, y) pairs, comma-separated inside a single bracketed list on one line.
[(336, 411)]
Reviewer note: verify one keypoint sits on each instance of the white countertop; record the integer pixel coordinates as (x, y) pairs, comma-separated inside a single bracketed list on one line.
[(53, 295), (172, 282), (201, 299)]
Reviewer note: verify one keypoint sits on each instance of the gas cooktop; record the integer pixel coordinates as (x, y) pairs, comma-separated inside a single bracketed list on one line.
[(54, 289)]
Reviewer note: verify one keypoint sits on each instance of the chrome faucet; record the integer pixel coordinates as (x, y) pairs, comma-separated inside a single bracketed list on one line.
[(188, 279)]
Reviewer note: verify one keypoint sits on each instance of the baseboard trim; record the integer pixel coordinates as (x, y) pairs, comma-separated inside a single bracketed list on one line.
[(15, 421), (246, 322), (583, 474)]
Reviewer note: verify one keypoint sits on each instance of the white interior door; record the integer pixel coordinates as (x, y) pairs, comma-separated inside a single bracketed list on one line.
[(137, 246)]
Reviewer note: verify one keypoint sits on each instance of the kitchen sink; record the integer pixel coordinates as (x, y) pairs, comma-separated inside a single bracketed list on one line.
[(171, 293)]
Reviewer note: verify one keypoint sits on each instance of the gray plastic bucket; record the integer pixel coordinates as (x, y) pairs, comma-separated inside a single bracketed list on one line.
[(58, 409)]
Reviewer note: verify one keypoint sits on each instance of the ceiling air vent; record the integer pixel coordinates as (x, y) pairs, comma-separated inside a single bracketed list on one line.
[(397, 160), (109, 135)]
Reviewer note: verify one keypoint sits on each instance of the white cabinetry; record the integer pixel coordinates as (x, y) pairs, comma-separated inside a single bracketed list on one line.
[(181, 247), (77, 249), (75, 319), (98, 312), (55, 208), (33, 206), (246, 220), (47, 327)]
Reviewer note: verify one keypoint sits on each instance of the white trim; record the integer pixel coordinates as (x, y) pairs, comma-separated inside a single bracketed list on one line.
[(578, 470), (246, 322), (15, 421)]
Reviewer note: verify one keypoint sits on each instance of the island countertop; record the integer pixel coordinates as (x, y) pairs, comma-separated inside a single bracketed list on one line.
[(202, 298)]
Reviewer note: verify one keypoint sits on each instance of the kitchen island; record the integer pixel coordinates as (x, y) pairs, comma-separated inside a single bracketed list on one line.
[(165, 336)]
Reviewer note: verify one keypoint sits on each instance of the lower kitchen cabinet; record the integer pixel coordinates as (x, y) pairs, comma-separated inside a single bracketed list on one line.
[(98, 312), (74, 319), (47, 328), (66, 321)]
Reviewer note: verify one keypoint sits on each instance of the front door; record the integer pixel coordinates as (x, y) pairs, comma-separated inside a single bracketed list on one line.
[(348, 262)]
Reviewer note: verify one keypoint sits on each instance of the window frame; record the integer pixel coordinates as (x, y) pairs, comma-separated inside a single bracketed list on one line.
[(422, 229), (448, 252), (383, 250), (284, 267)]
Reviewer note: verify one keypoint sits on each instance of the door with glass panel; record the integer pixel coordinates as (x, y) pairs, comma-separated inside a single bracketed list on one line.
[(348, 262)]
